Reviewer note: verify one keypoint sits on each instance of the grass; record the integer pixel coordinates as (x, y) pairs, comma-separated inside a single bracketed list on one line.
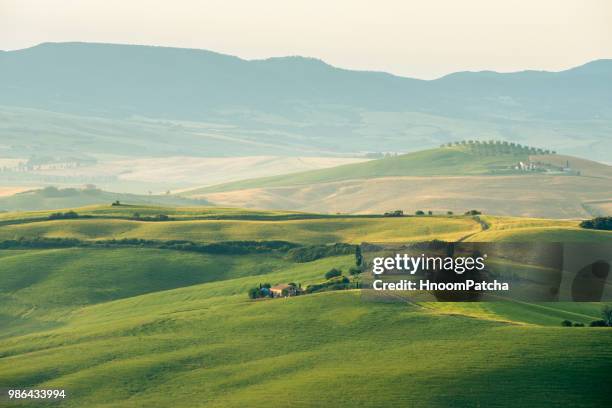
[(311, 231), (207, 343), (516, 229), (451, 178), (43, 199), (433, 162), (133, 327), (127, 210), (546, 234), (42, 281)]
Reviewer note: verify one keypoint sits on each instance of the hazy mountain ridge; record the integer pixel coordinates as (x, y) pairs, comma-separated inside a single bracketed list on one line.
[(214, 104), (188, 84)]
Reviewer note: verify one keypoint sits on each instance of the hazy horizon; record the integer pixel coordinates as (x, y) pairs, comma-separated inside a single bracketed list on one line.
[(316, 58), (408, 39)]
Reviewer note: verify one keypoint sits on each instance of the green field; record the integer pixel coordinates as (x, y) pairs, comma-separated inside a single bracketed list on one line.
[(52, 198), (456, 178), (303, 231), (135, 326), (434, 162)]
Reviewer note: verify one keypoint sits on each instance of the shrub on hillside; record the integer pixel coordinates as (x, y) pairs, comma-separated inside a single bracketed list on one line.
[(598, 223), (353, 270), (419, 212), (332, 273), (606, 313), (254, 293), (396, 213), (598, 323), (63, 216), (335, 283), (314, 252), (566, 323), (473, 212)]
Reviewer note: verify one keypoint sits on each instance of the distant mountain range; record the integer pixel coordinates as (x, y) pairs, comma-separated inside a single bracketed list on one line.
[(296, 105)]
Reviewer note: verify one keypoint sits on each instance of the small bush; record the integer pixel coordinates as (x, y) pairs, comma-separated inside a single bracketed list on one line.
[(419, 212), (578, 324), (598, 323), (314, 252), (332, 273), (566, 323), (598, 223), (396, 213), (353, 270), (63, 216), (254, 293), (473, 212)]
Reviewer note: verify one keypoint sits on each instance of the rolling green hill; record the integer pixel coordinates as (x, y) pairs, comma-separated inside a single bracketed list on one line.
[(311, 231), (455, 178), (134, 326), (510, 229), (51, 198), (447, 161)]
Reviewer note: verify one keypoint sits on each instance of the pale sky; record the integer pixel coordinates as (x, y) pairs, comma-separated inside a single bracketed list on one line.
[(423, 39)]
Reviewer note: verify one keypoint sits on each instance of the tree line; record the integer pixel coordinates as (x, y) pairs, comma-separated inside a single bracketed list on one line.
[(496, 147)]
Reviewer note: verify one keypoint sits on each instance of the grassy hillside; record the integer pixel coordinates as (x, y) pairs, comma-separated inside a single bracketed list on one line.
[(207, 343), (554, 196), (138, 326), (51, 198), (58, 278), (354, 230), (454, 178), (456, 160), (127, 211), (512, 229), (212, 224)]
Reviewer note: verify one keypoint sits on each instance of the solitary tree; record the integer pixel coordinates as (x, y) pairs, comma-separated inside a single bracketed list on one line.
[(606, 313), (254, 293), (358, 256)]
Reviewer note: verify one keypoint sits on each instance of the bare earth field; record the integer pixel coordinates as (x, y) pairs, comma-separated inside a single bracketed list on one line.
[(547, 196), (175, 173), (6, 191)]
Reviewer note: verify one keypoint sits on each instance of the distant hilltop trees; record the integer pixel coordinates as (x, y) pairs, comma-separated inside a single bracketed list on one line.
[(598, 223), (497, 147)]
